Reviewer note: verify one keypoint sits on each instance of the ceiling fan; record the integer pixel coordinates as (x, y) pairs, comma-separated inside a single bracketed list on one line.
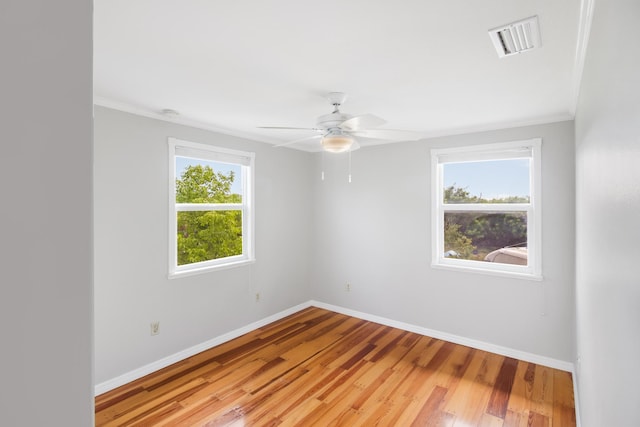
[(338, 131)]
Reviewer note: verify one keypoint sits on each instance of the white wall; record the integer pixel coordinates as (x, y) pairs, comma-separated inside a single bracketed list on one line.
[(608, 210), (131, 226), (45, 170), (376, 234)]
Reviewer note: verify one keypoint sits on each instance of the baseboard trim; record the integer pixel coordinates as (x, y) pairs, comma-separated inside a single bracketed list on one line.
[(191, 351), (576, 400), (480, 345)]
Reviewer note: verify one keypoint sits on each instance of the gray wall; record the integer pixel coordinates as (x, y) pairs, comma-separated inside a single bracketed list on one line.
[(375, 233), (45, 169), (608, 209), (131, 226)]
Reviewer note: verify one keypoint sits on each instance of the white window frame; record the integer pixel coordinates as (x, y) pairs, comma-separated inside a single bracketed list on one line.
[(181, 148), (530, 149)]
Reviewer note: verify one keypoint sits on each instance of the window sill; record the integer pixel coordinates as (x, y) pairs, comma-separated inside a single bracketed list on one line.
[(499, 273), (210, 268)]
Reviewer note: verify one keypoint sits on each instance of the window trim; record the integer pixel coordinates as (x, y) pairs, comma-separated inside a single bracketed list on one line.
[(212, 153), (533, 209)]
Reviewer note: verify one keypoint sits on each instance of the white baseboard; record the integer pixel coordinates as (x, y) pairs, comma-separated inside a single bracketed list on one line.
[(576, 400), (181, 355), (480, 345)]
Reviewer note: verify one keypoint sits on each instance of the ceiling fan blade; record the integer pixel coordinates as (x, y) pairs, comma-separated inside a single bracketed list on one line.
[(287, 127), (309, 138), (388, 134), (364, 121)]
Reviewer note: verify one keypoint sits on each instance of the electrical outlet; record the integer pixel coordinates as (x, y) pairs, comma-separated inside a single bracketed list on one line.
[(257, 296), (155, 328), (347, 287)]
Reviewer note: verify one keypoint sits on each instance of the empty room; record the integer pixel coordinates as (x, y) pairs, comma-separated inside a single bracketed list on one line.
[(352, 213)]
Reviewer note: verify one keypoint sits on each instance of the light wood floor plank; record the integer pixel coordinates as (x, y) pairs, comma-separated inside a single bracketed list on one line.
[(467, 390)]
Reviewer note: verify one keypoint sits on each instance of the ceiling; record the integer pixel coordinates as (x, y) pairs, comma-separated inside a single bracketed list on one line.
[(422, 65)]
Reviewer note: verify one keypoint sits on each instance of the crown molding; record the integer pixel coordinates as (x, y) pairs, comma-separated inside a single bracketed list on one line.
[(584, 30)]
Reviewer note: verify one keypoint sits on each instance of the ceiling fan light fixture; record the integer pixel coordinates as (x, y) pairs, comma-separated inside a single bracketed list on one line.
[(339, 132), (337, 143)]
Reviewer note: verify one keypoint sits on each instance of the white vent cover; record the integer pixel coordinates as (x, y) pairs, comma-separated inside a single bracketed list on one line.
[(517, 37)]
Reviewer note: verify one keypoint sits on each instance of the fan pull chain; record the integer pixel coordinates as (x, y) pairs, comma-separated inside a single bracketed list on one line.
[(349, 166), (322, 166)]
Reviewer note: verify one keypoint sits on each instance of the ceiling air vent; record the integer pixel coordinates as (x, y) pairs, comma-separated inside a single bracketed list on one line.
[(517, 37)]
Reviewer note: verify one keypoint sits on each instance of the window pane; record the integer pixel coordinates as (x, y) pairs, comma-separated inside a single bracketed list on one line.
[(494, 181), (204, 181), (486, 236), (208, 235)]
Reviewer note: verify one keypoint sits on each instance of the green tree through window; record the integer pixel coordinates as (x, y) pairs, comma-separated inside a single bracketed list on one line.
[(204, 235), (472, 235), (211, 216)]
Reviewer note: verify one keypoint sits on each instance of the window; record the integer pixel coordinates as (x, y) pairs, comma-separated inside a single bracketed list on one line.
[(210, 207), (486, 208)]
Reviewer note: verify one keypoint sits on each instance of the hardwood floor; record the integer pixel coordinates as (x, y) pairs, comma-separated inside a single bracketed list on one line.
[(319, 368)]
